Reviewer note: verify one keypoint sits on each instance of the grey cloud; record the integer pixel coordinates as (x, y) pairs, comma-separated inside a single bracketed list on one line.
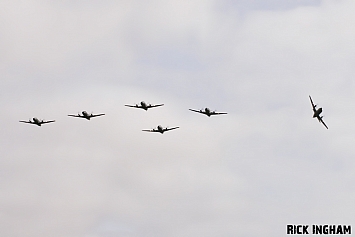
[(273, 5), (264, 165)]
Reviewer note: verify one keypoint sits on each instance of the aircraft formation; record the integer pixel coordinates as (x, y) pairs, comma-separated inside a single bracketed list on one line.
[(143, 105)]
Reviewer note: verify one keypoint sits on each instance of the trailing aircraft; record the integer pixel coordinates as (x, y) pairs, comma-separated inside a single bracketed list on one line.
[(85, 115), (159, 129), (143, 105), (37, 122), (317, 112), (207, 112)]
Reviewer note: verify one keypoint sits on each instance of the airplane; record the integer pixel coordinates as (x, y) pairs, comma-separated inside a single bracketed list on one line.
[(144, 105), (37, 122), (85, 115), (160, 129), (207, 112), (317, 112)]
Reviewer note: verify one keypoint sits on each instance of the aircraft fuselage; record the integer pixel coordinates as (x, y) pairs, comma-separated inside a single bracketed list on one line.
[(207, 112), (317, 113), (160, 129), (86, 115), (37, 121), (144, 105)]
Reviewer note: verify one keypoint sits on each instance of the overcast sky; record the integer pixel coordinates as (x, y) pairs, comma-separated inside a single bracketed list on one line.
[(249, 173)]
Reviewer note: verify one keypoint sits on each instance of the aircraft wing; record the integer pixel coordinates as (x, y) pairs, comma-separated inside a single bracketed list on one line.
[(313, 106), (25, 121), (150, 130), (321, 120), (50, 121), (214, 113), (77, 116), (132, 106), (197, 111), (152, 106), (97, 115), (168, 129)]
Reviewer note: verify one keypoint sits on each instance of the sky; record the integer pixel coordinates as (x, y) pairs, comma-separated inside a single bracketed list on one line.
[(249, 173)]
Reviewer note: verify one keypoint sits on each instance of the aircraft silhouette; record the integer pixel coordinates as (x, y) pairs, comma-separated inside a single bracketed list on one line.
[(37, 122), (207, 112), (85, 115), (160, 129), (317, 112), (144, 105)]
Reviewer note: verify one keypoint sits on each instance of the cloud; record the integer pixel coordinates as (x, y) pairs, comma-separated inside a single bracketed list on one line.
[(264, 165)]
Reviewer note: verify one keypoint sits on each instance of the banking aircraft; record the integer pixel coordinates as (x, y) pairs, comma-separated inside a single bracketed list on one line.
[(207, 112), (160, 129), (143, 105), (37, 122), (85, 115), (317, 112)]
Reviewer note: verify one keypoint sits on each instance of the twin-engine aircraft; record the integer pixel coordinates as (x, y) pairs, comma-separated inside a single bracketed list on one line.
[(159, 129), (37, 122), (317, 112), (85, 115), (207, 112), (144, 105)]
